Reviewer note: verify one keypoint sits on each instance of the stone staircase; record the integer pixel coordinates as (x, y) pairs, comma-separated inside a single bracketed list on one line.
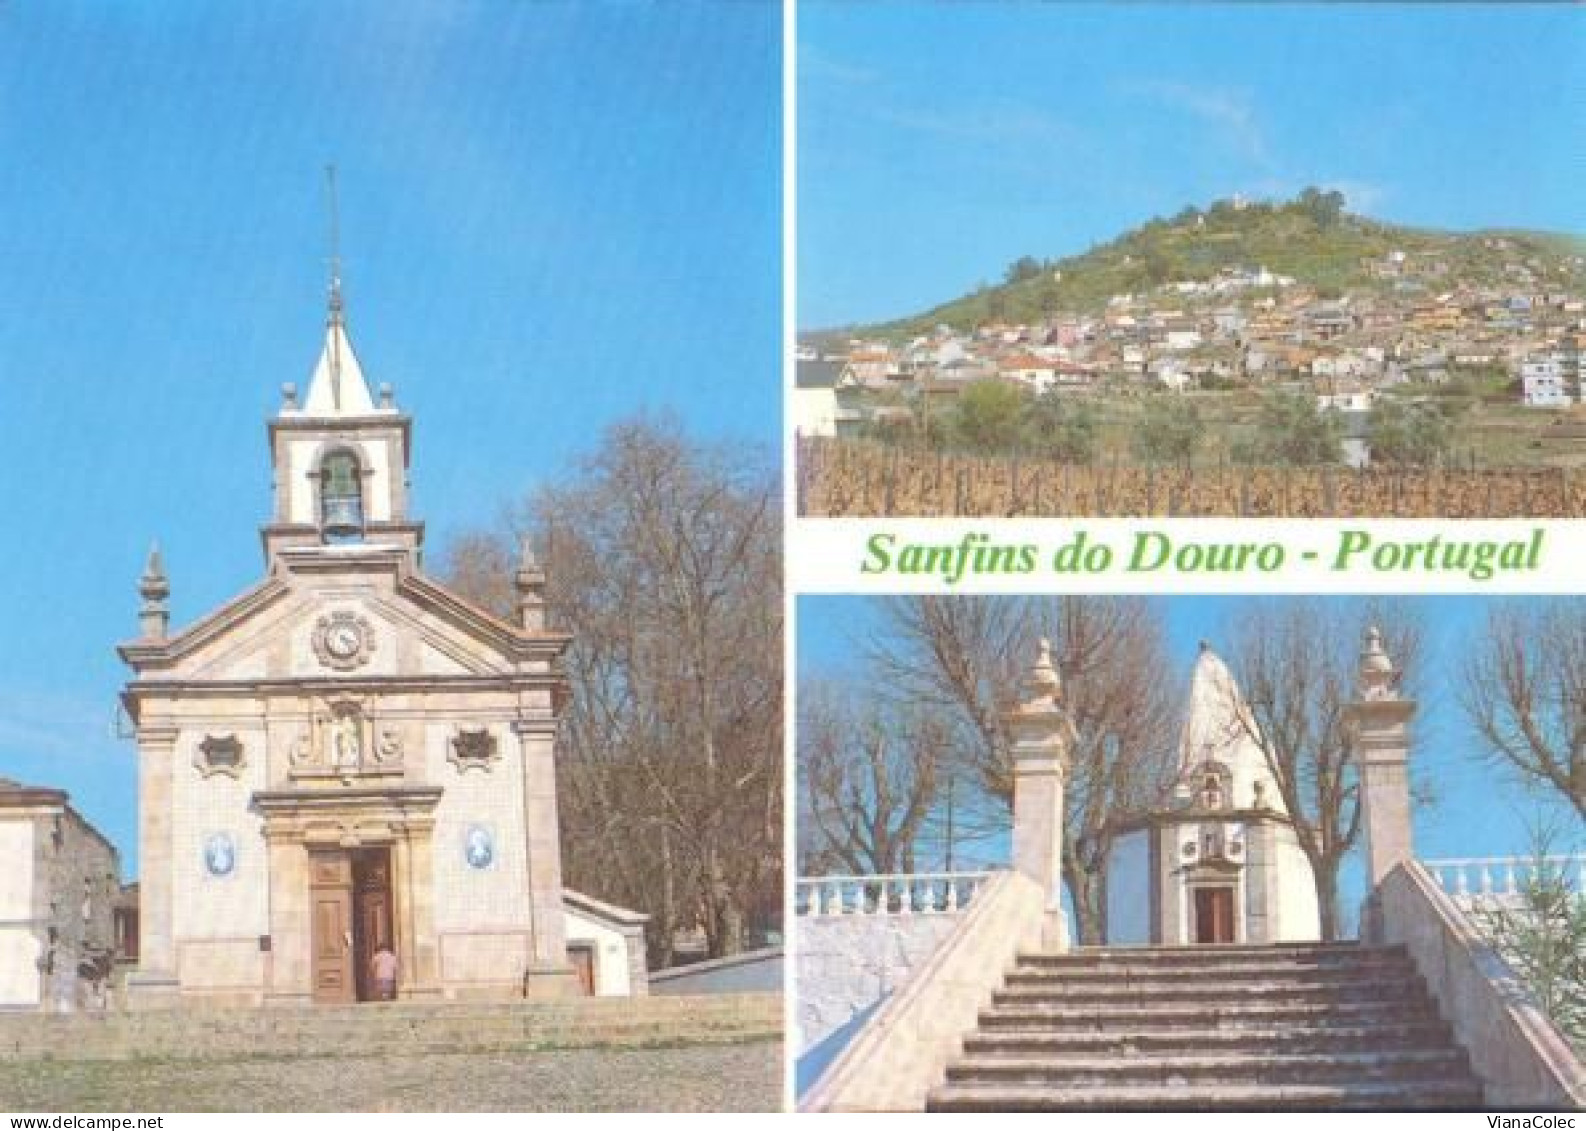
[(394, 1028), (1226, 1028)]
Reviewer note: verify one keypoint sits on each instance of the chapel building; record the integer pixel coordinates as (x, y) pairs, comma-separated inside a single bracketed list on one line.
[(348, 756), (1221, 863), (58, 888)]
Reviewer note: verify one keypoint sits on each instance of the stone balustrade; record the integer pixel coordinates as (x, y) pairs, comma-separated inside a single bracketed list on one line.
[(1466, 878), (918, 893)]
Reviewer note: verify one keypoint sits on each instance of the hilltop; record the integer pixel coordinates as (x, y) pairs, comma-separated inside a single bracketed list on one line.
[(1311, 240)]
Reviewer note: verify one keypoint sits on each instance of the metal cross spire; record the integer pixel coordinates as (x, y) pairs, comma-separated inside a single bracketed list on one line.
[(335, 288)]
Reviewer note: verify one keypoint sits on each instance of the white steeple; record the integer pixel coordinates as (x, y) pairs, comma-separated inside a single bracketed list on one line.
[(338, 387), (1218, 727), (340, 456)]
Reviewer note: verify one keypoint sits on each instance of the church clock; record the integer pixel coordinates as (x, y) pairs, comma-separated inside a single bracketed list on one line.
[(343, 640)]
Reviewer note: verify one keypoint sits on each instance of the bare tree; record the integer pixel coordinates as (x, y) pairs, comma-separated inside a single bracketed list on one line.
[(868, 772), (663, 559), (1524, 689), (965, 656), (1296, 661)]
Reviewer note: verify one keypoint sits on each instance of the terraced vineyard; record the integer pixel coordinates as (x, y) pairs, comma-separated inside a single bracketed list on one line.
[(853, 478)]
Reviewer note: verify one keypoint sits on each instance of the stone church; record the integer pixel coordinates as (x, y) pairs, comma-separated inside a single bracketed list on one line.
[(1221, 864), (349, 756)]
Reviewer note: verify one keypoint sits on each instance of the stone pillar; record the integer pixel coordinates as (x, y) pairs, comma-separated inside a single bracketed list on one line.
[(1261, 882), (1379, 720), (529, 582), (550, 973), (155, 983), (1042, 738), (291, 979), (154, 615), (413, 885)]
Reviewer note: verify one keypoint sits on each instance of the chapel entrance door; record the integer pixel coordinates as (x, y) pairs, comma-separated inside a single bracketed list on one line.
[(330, 902), (371, 915), (582, 956), (1214, 915)]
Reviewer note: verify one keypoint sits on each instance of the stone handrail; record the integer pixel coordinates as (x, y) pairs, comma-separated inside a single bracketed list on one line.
[(903, 1050), (1520, 1058), (1501, 875), (915, 893)]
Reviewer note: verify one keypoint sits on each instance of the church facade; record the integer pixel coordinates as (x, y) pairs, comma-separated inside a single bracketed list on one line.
[(347, 756), (1221, 864)]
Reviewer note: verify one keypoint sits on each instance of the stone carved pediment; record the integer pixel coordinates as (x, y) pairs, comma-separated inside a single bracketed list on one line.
[(342, 740)]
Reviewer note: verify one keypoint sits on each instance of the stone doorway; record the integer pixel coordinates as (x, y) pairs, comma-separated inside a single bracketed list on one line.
[(1214, 915), (582, 956), (350, 898)]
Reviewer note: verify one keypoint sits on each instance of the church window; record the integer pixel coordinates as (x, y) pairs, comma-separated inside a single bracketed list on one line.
[(341, 497)]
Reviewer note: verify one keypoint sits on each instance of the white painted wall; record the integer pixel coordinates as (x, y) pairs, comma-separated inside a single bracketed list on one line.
[(814, 412), (16, 869), (1298, 917), (19, 949), (848, 964)]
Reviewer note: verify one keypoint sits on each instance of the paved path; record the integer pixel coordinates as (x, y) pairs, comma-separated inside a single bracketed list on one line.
[(739, 1077)]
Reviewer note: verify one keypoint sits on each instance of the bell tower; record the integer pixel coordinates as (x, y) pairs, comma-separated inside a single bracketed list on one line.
[(340, 456)]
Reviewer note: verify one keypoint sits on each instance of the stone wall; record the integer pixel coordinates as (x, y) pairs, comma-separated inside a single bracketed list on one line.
[(83, 875), (1520, 1058), (757, 971)]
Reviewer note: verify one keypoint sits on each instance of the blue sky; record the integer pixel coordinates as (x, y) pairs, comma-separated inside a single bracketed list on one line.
[(1478, 811), (938, 142), (553, 215)]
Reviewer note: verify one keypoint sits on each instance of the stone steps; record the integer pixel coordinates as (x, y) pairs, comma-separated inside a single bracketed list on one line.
[(1245, 1069), (1292, 1027), (1178, 1017), (214, 1034), (1368, 964), (1206, 991), (1358, 1097), (1145, 1042)]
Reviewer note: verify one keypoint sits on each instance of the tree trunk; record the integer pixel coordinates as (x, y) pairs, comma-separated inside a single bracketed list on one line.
[(1084, 896), (665, 924), (1325, 873)]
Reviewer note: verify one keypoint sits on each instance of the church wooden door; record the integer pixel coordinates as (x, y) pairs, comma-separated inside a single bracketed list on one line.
[(371, 915), (330, 901), (1214, 915)]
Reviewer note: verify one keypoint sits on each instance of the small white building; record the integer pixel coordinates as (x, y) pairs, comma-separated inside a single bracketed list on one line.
[(605, 944), (1543, 382), (1221, 864), (59, 880)]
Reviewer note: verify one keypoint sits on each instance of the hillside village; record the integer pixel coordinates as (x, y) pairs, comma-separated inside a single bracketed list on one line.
[(1413, 319)]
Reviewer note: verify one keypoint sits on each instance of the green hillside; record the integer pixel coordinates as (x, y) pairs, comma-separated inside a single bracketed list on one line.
[(1311, 239)]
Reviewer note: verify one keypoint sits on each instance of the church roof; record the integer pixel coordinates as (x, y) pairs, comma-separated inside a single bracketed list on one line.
[(1218, 725), (337, 387)]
